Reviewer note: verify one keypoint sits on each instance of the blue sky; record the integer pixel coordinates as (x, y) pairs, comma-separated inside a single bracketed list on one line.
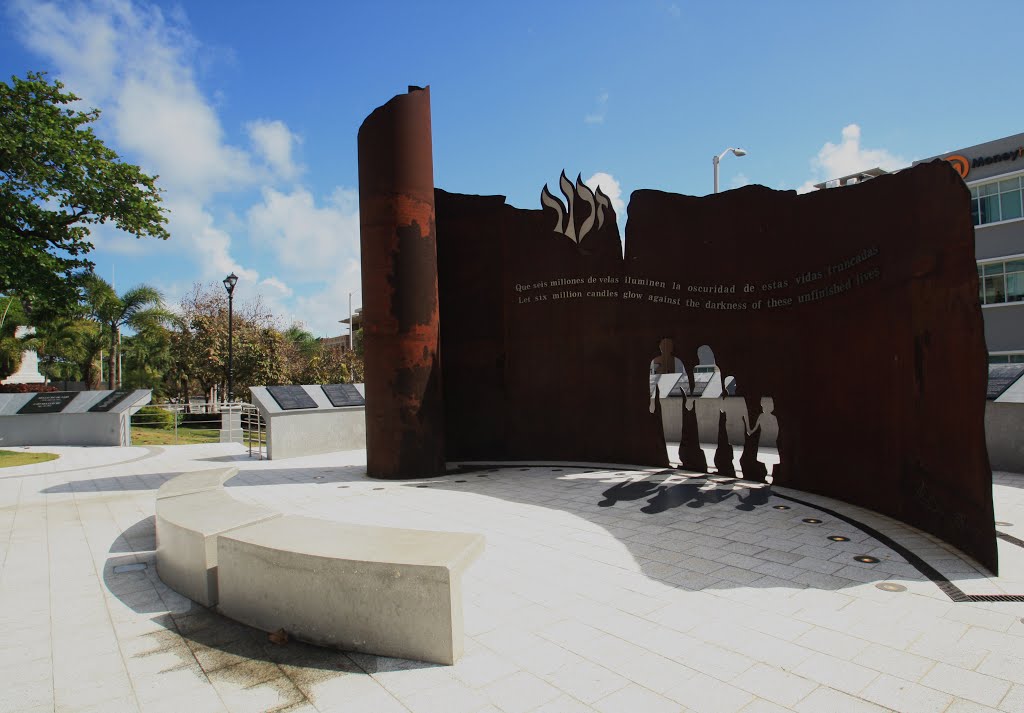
[(249, 111)]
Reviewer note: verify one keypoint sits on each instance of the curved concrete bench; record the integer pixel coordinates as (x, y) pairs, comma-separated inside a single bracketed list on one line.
[(380, 590), (192, 510)]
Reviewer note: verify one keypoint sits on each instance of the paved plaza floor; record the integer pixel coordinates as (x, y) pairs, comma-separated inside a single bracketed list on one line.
[(603, 589)]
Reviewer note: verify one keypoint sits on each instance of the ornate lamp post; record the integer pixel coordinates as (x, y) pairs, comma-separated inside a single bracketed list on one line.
[(716, 159), (229, 285)]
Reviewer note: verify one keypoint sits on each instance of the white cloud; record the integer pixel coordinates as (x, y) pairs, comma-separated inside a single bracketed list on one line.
[(130, 60), (597, 116), (324, 309), (138, 64), (309, 239), (739, 180), (275, 286), (611, 188), (848, 157), (192, 229), (274, 141)]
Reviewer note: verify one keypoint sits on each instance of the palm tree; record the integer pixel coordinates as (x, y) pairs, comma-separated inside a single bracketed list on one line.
[(10, 347), (139, 308), (69, 348)]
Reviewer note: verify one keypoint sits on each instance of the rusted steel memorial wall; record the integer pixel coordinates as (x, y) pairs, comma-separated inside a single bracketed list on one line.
[(855, 310)]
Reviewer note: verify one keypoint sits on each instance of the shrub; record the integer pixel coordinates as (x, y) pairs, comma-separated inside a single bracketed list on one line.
[(153, 417), (26, 388), (201, 420)]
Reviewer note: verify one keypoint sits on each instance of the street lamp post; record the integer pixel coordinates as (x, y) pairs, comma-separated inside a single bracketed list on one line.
[(229, 285), (716, 159)]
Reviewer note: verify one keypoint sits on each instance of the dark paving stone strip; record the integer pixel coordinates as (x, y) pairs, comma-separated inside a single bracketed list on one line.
[(1009, 538), (948, 588)]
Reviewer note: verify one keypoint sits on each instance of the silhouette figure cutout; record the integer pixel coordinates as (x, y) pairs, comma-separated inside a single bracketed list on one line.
[(723, 455), (765, 419), (750, 467), (691, 455)]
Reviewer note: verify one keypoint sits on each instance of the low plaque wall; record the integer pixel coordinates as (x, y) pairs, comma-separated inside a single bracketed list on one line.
[(303, 420), (70, 418)]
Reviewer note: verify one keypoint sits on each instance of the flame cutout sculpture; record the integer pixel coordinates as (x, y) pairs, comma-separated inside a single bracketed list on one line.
[(584, 192), (565, 223), (570, 194)]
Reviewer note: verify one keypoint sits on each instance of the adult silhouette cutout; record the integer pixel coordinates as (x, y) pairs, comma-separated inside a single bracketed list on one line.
[(691, 455), (723, 454)]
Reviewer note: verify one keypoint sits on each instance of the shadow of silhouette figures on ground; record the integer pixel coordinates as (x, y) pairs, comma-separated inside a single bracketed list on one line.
[(693, 494), (754, 497), (627, 490)]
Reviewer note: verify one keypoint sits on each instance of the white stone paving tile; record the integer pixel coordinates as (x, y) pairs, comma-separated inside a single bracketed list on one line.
[(904, 696), (971, 685), (826, 699), (961, 705), (899, 663), (520, 692), (836, 673), (1013, 701), (704, 694), (572, 607), (775, 685), (634, 698)]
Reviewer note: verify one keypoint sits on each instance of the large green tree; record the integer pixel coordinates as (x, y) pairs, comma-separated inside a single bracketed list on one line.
[(11, 317), (199, 345), (57, 178)]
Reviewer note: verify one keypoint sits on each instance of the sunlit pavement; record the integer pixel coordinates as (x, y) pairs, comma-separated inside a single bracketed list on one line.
[(600, 589)]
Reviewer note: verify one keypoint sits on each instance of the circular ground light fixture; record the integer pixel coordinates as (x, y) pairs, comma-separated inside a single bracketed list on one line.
[(890, 587), (780, 507), (812, 521), (378, 488), (864, 559), (422, 486), (838, 538), (1004, 524)]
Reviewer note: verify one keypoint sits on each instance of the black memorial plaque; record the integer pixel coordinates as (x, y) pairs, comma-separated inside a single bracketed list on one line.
[(343, 395), (111, 400), (51, 402), (291, 398), (1001, 377)]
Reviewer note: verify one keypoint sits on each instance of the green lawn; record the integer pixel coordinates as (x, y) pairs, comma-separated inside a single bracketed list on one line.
[(9, 459), (186, 436), (166, 437)]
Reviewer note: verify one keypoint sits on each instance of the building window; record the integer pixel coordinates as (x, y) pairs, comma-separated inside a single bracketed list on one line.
[(996, 201), (1001, 282), (1006, 358)]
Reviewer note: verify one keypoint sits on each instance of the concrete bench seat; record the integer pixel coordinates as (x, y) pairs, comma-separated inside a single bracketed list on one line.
[(187, 527), (380, 590)]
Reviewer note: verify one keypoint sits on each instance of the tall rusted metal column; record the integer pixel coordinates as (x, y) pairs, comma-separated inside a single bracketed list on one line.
[(404, 407)]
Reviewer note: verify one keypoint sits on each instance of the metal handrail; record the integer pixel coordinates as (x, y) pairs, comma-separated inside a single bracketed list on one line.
[(253, 425)]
